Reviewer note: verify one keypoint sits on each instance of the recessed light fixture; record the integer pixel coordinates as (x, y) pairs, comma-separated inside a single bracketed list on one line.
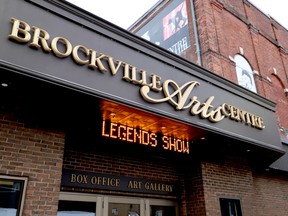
[(112, 115), (4, 84)]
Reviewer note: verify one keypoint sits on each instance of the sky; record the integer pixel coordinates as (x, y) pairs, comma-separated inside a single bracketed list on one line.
[(120, 12), (125, 12)]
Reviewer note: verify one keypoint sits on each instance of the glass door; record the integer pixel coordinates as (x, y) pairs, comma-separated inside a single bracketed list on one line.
[(162, 207), (122, 209), (78, 204), (124, 206)]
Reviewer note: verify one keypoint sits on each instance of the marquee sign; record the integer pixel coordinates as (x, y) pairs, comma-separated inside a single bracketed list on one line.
[(136, 135), (153, 88)]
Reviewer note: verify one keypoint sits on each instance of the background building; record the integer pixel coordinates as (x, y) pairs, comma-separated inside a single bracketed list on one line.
[(235, 40)]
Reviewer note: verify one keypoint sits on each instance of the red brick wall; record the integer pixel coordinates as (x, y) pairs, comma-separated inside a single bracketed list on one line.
[(36, 154), (193, 194), (261, 193), (270, 194), (231, 178)]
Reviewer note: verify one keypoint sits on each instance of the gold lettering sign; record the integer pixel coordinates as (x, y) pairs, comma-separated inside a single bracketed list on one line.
[(180, 98), (92, 180)]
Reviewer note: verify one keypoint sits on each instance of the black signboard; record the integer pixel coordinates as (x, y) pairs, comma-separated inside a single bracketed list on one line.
[(101, 181)]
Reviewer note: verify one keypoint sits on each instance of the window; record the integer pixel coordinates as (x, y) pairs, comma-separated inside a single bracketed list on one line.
[(230, 207), (12, 194), (244, 73)]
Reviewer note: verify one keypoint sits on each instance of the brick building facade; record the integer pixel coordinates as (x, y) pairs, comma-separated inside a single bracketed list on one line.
[(73, 128)]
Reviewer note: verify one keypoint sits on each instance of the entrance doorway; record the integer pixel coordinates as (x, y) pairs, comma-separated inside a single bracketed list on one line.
[(79, 204)]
